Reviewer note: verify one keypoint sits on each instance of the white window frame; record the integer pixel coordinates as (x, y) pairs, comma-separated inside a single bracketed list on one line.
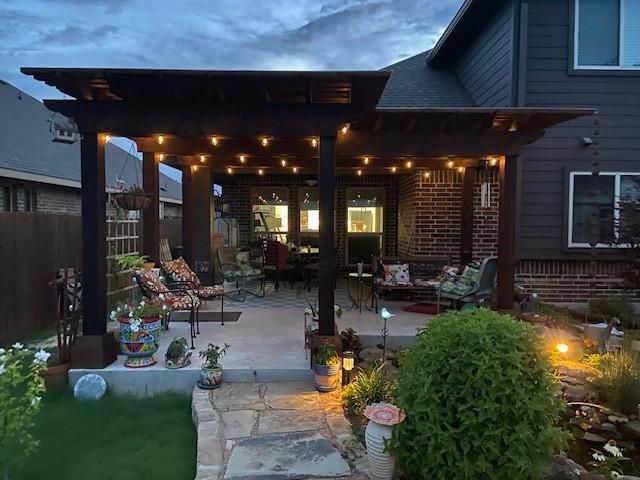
[(616, 207), (576, 44)]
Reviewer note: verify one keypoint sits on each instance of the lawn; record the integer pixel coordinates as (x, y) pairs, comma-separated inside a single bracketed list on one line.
[(119, 438)]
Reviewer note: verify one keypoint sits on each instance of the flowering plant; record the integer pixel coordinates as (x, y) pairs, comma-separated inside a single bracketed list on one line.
[(313, 310), (135, 313), (213, 354), (384, 413), (21, 389), (609, 464)]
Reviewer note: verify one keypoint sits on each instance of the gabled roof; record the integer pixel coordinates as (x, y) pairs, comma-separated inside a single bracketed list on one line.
[(27, 149), (414, 83)]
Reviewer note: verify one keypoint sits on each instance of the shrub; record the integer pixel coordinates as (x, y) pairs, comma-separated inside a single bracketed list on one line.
[(367, 387), (615, 377), (480, 400), (618, 307)]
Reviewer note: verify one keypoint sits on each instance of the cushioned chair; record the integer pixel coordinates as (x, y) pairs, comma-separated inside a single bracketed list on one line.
[(276, 263), (243, 267), (178, 297), (473, 285), (178, 272)]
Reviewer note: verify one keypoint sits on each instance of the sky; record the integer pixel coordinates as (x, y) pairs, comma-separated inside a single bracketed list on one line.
[(214, 34)]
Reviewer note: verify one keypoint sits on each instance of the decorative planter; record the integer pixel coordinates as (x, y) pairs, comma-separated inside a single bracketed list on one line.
[(134, 201), (382, 463), (56, 375), (140, 345), (326, 377), (210, 378)]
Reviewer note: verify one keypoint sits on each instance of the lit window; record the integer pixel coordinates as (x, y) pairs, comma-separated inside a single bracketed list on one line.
[(309, 210), (365, 214), (270, 207), (596, 207), (607, 34)]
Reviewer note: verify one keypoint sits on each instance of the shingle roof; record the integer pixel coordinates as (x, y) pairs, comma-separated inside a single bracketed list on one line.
[(414, 83), (26, 146)]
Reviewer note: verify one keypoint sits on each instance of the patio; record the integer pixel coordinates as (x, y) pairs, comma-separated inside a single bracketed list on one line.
[(267, 341)]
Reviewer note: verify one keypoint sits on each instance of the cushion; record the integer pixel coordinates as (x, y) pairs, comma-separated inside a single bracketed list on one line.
[(179, 301), (151, 281), (396, 274), (179, 271), (455, 288), (210, 291)]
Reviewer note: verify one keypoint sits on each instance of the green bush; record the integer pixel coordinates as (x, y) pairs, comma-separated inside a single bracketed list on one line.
[(367, 387), (618, 307), (480, 399), (615, 377)]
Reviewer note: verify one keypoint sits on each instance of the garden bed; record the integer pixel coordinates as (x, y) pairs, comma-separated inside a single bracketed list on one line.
[(115, 437)]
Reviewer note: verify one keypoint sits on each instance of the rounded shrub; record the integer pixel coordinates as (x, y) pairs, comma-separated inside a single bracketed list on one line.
[(481, 401)]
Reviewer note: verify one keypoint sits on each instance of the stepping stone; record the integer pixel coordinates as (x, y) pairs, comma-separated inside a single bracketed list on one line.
[(285, 456), (292, 396), (237, 396), (238, 423), (282, 421)]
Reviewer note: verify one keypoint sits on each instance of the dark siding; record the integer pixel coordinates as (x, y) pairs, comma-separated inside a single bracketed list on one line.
[(485, 68), (549, 83)]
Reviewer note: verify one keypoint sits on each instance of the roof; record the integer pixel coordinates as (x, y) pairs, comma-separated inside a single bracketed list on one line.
[(143, 86), (414, 83), (468, 21), (26, 147)]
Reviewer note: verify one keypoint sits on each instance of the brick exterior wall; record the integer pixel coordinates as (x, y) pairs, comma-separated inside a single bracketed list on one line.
[(238, 196)]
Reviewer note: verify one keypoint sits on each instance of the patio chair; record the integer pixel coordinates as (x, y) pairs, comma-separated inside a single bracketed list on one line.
[(277, 263), (242, 267), (472, 286), (179, 297), (179, 273)]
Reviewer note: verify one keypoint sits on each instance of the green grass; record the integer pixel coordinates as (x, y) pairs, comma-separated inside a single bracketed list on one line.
[(119, 438)]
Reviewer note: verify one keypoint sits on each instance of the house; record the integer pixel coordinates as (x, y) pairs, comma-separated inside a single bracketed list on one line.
[(40, 175)]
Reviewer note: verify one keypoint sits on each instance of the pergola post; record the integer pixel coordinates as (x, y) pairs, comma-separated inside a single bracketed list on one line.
[(151, 216), (466, 216), (188, 224), (202, 183), (507, 231), (326, 236)]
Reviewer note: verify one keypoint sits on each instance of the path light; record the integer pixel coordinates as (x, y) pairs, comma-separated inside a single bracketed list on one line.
[(214, 141), (562, 347), (160, 139), (314, 142), (348, 362), (242, 159), (265, 141), (107, 137)]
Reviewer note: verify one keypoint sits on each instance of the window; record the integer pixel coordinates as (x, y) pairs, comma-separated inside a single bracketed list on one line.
[(270, 208), (29, 200), (607, 34), (309, 210), (594, 206), (6, 199), (365, 213)]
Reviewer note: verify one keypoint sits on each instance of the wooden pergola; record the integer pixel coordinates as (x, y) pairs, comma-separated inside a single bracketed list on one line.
[(212, 124)]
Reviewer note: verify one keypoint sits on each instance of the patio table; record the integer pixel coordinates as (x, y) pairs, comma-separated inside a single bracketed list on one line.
[(360, 279)]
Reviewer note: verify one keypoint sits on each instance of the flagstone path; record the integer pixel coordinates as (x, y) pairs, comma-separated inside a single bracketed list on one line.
[(273, 431)]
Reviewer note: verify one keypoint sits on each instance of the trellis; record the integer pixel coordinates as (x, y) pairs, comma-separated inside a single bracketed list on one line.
[(122, 239)]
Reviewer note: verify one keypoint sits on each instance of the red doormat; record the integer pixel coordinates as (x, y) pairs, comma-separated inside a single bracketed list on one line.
[(427, 308)]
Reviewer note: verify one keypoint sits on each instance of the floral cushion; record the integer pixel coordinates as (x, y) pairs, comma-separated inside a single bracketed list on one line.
[(179, 271), (206, 291), (181, 301), (151, 281), (395, 274)]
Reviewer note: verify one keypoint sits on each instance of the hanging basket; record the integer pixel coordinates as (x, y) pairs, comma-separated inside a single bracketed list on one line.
[(134, 200)]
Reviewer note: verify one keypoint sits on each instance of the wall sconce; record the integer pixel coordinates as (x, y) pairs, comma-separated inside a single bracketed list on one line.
[(348, 363), (107, 137)]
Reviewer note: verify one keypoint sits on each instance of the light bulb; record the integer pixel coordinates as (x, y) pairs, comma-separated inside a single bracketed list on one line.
[(265, 141), (295, 169), (229, 170), (161, 157), (359, 173), (107, 137), (242, 159), (160, 139), (344, 129), (450, 164), (260, 171), (202, 158), (427, 174), (314, 142), (283, 162), (366, 160), (493, 162), (214, 141), (394, 169), (409, 164), (460, 169)]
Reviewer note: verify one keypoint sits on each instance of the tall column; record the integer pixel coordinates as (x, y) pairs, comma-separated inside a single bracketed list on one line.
[(507, 231), (202, 182), (326, 236), (151, 216), (188, 225), (94, 236), (466, 216)]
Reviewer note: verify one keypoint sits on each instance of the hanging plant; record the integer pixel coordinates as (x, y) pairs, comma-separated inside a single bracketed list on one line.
[(134, 198)]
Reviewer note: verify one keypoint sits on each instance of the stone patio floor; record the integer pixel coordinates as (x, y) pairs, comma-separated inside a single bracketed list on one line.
[(281, 430)]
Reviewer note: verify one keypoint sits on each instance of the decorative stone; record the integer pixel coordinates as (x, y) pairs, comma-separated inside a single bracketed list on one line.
[(90, 387), (618, 419), (592, 437), (338, 424), (564, 468), (237, 396), (292, 396), (631, 429)]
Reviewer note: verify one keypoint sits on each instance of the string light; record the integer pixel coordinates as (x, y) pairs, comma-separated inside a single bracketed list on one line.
[(314, 142), (107, 137), (160, 139), (359, 173), (450, 163), (460, 169), (214, 141), (493, 162), (295, 169), (366, 160), (260, 171), (344, 129), (283, 162), (242, 159), (265, 141), (409, 164), (161, 157), (394, 169), (194, 168), (427, 174), (202, 158), (229, 171)]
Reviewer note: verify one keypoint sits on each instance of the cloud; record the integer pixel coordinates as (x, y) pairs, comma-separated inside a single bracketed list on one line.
[(220, 34)]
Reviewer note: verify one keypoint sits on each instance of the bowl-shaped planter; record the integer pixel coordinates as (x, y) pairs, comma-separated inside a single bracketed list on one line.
[(137, 200), (139, 343), (210, 377)]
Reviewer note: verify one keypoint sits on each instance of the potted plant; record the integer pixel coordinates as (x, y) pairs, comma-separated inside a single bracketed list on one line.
[(211, 370), (134, 262), (326, 368), (134, 198), (140, 326)]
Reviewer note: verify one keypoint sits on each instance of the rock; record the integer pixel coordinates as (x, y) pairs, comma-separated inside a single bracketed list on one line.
[(618, 419), (238, 423), (90, 387), (577, 393), (592, 437), (282, 421), (631, 429), (609, 429), (627, 477), (564, 468)]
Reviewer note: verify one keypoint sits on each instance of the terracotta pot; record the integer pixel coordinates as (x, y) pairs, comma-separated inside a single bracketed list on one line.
[(148, 265), (56, 375)]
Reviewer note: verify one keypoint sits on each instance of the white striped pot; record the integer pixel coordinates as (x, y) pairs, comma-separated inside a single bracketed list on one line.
[(381, 463)]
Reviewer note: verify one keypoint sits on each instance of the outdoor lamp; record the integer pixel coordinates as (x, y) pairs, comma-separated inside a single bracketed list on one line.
[(562, 347), (348, 362)]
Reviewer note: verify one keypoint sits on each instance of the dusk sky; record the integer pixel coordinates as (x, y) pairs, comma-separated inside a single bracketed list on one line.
[(214, 34)]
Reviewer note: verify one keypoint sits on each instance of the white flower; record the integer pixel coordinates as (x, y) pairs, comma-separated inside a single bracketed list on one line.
[(130, 314), (614, 474), (598, 457), (135, 327), (613, 450), (142, 303), (2, 351), (2, 369), (161, 296), (35, 401), (113, 315), (18, 346), (307, 310), (41, 356)]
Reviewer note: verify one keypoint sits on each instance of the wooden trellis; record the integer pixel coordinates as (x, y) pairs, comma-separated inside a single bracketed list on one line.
[(122, 239)]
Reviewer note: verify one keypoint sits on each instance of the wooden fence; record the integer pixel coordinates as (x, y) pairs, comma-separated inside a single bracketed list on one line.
[(32, 247)]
